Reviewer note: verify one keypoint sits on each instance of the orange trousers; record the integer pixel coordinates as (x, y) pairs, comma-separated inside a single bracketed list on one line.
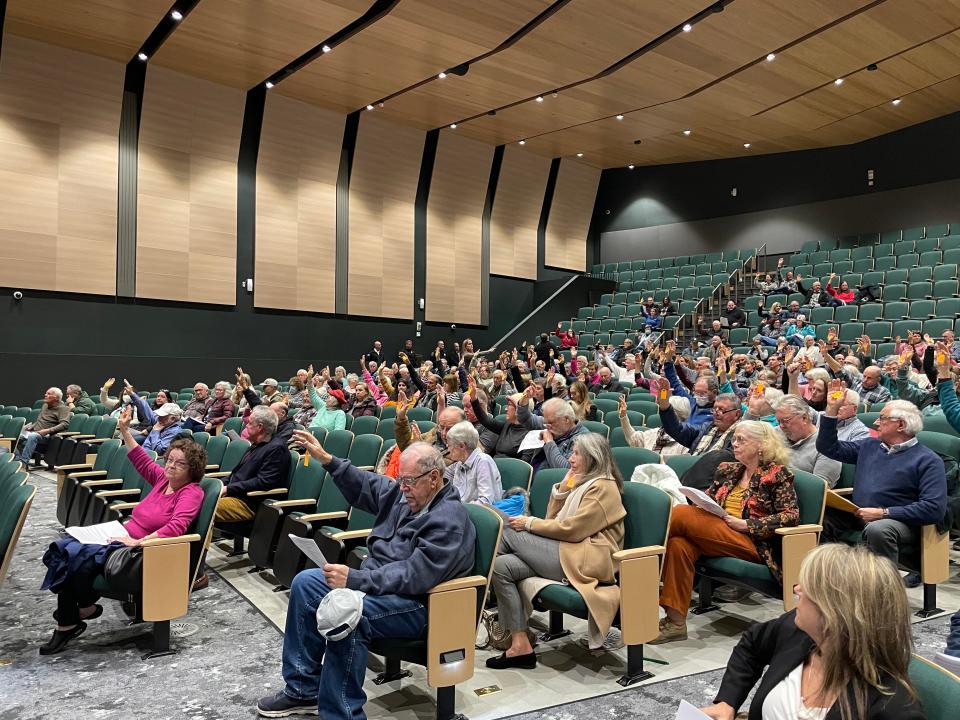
[(695, 532)]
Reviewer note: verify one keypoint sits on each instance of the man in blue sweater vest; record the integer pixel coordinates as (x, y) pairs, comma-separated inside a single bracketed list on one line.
[(422, 537), (899, 485)]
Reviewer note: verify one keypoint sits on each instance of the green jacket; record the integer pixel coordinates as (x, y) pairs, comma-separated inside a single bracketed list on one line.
[(949, 403), (84, 405)]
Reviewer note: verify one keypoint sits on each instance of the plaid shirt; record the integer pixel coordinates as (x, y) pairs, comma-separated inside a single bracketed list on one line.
[(872, 396)]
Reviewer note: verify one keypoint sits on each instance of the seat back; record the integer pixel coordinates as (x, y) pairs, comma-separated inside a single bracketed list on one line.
[(364, 425), (234, 423), (233, 455), (338, 443), (216, 448), (543, 482), (13, 427), (105, 454), (307, 480), (365, 450), (488, 527), (648, 515), (596, 427), (202, 524), (939, 689), (13, 515), (628, 458), (811, 496), (420, 413), (514, 473), (201, 439)]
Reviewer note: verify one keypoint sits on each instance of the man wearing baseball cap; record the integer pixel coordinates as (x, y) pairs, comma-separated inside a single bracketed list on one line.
[(164, 424), (270, 392)]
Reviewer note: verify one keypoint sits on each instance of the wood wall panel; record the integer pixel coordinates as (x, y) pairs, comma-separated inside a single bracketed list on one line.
[(458, 190), (297, 206), (187, 189), (59, 124), (516, 213), (383, 191), (570, 212)]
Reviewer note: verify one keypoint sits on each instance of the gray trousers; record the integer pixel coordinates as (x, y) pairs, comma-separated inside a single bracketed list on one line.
[(522, 555), (893, 539)]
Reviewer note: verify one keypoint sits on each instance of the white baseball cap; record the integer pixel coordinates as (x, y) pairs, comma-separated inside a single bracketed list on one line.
[(339, 613)]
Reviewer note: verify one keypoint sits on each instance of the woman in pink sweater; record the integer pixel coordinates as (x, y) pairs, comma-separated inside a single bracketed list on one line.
[(167, 511)]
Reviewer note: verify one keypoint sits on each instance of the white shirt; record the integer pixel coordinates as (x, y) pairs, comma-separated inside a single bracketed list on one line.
[(477, 478), (784, 702)]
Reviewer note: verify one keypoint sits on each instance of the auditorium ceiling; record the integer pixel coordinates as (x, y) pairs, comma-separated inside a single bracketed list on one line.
[(621, 81)]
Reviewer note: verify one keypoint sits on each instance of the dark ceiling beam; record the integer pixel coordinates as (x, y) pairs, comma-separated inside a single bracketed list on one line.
[(164, 29)]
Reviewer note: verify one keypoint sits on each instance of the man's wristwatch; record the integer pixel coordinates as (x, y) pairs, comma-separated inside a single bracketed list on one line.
[(885, 511)]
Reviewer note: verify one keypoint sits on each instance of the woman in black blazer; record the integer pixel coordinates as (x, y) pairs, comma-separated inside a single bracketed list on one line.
[(842, 654)]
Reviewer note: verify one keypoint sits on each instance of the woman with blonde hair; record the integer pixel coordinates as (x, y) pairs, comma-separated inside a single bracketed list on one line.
[(580, 401), (758, 496), (842, 654), (574, 543)]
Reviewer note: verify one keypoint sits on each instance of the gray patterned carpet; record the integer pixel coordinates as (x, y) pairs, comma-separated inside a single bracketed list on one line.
[(230, 657)]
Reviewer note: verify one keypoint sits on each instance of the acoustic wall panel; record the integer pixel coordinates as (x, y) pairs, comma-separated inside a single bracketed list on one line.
[(383, 192), (570, 213), (297, 206), (516, 213), (187, 189), (59, 126), (458, 191)]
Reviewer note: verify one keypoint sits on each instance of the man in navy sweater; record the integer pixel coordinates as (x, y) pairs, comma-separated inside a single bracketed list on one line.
[(899, 485), (422, 537)]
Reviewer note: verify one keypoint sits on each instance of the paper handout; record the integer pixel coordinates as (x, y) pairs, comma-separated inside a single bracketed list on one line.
[(839, 502), (702, 500), (309, 548), (686, 711), (530, 441), (97, 534)]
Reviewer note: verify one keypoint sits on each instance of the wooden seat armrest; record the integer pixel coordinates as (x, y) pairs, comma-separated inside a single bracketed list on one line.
[(843, 491), (368, 468), (294, 503), (799, 529), (65, 469), (89, 474), (639, 552), (211, 467), (459, 584), (323, 516), (97, 441), (221, 474), (124, 506), (67, 434), (98, 483), (83, 437), (154, 542), (350, 535), (117, 493), (267, 493)]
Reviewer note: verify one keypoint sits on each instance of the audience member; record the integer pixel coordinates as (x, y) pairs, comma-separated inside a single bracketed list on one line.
[(734, 315), (796, 421), (607, 382), (559, 429), (329, 406), (163, 425), (79, 403), (54, 417), (361, 402), (474, 474), (216, 411), (656, 439)]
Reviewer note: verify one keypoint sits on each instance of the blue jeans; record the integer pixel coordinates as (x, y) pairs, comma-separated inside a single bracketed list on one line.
[(768, 341), (953, 639), (332, 671), (29, 444)]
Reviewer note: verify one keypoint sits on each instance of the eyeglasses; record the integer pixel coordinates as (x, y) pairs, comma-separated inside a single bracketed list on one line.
[(177, 464), (718, 411), (885, 419), (411, 481)]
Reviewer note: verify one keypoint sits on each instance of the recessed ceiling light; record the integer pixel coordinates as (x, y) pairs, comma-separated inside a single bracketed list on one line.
[(176, 15), (539, 98), (771, 57), (326, 48), (142, 57), (380, 104), (453, 126), (369, 107), (553, 94), (579, 154), (838, 81), (897, 101), (442, 75), (630, 167), (686, 132), (619, 117), (269, 84), (746, 145), (688, 27), (522, 142)]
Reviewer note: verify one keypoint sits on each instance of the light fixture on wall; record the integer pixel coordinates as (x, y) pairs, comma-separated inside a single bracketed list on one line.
[(630, 167), (687, 132), (687, 27), (268, 84), (369, 107), (176, 15), (771, 57), (579, 154), (522, 142), (747, 145), (326, 48), (441, 76), (619, 117), (539, 98), (897, 101), (838, 81), (142, 57), (453, 126)]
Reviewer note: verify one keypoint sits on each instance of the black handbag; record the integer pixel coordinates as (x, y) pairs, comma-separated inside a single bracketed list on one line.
[(124, 569)]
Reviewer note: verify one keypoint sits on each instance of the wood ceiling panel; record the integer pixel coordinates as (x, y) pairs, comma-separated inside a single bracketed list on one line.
[(240, 43), (559, 51), (415, 40), (110, 28)]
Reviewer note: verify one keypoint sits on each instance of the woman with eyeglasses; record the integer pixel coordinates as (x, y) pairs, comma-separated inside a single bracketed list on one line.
[(574, 543), (167, 511), (842, 654), (757, 496)]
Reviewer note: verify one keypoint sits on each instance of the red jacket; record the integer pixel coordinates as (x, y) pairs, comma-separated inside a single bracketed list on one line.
[(847, 296)]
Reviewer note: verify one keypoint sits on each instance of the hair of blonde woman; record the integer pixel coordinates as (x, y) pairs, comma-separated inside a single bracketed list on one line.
[(598, 462), (772, 450), (237, 395), (866, 623), (776, 307), (581, 409), (451, 383), (818, 374)]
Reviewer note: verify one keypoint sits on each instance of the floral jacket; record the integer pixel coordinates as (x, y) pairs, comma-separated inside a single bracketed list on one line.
[(769, 502)]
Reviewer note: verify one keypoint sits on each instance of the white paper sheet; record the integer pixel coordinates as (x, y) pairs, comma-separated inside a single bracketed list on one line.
[(531, 440), (702, 500), (97, 534), (309, 548), (686, 711)]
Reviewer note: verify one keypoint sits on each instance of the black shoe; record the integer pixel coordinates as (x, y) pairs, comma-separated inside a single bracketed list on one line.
[(97, 612), (523, 662), (911, 580), (282, 705), (60, 639)]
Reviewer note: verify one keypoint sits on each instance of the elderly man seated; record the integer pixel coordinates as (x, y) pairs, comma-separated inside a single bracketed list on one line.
[(705, 388), (799, 431), (197, 407), (216, 410), (422, 536), (899, 486), (473, 473), (850, 428), (162, 424), (716, 434), (79, 402), (54, 417), (560, 427)]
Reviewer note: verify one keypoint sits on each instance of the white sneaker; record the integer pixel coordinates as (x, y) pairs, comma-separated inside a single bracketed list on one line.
[(948, 662), (613, 641)]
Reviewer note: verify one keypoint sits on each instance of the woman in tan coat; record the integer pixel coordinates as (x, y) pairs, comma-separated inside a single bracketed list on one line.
[(576, 541)]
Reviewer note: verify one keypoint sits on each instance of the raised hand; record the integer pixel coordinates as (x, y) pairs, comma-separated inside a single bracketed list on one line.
[(312, 446), (109, 384), (123, 422), (415, 434), (127, 387), (793, 369), (441, 401), (670, 351), (942, 361), (622, 406), (721, 365), (401, 404), (906, 355), (836, 394)]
